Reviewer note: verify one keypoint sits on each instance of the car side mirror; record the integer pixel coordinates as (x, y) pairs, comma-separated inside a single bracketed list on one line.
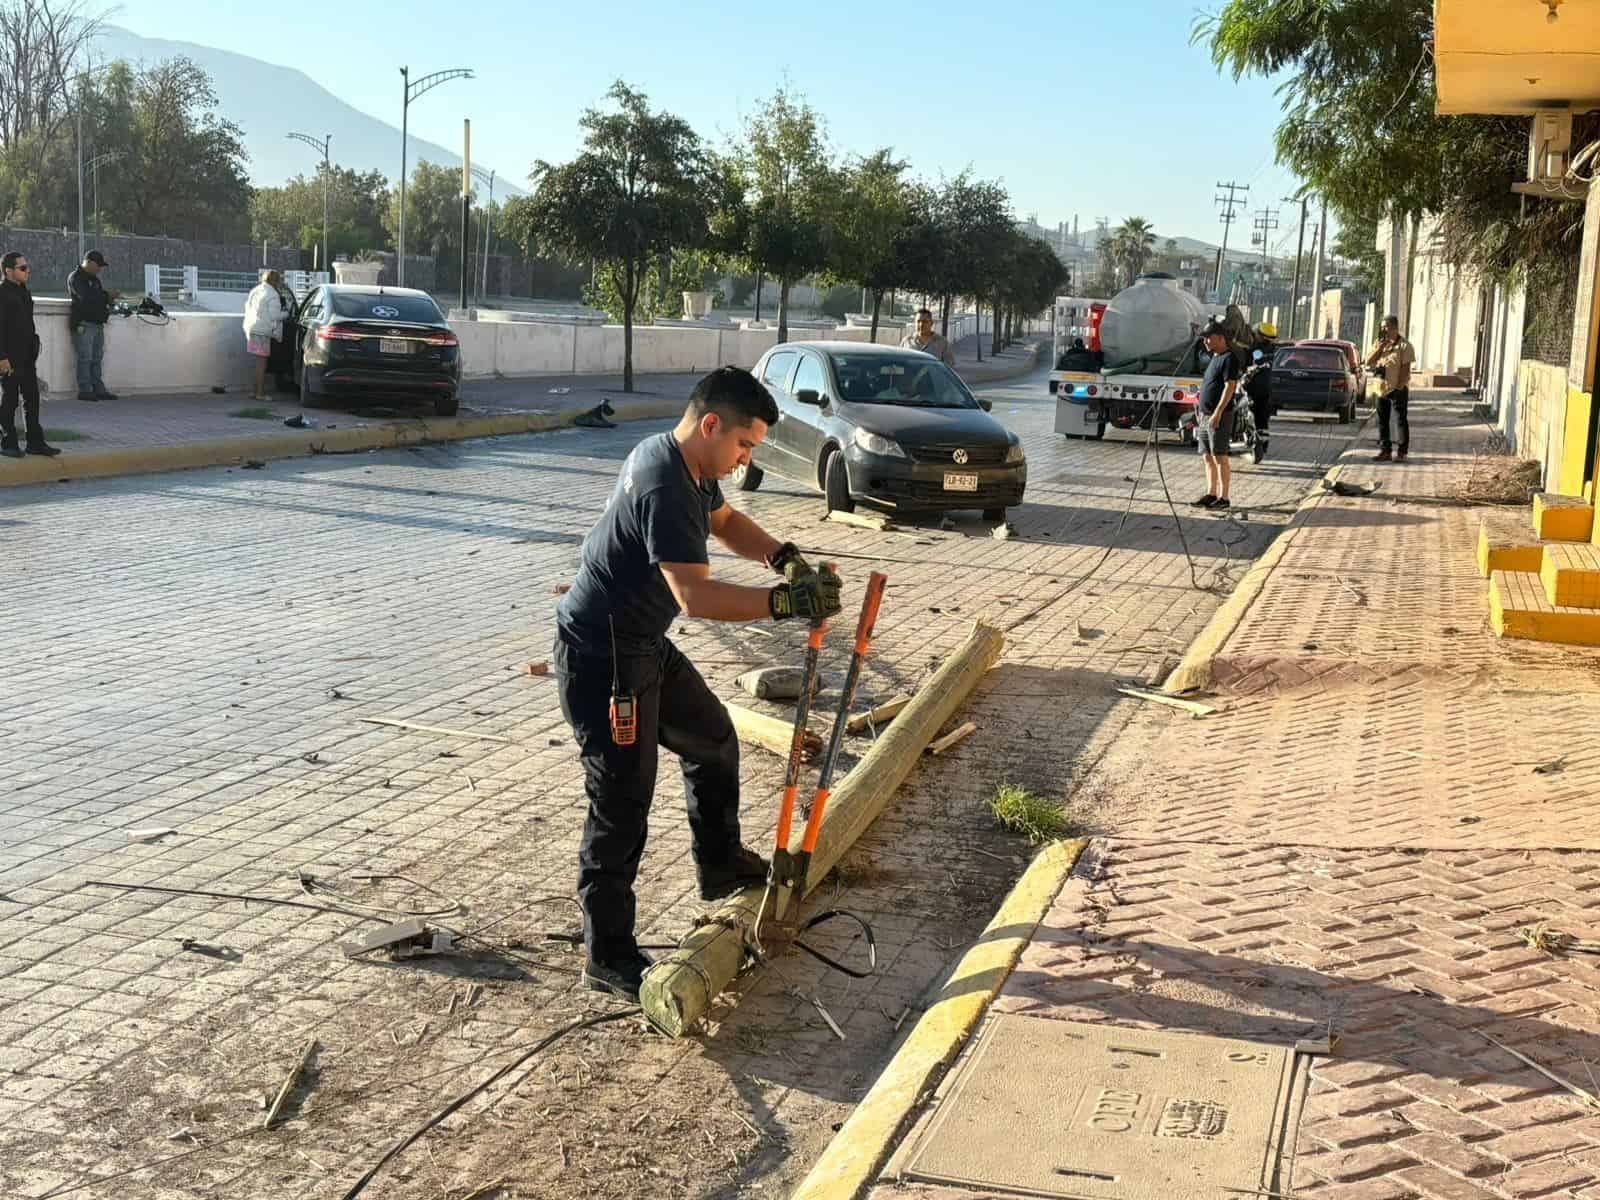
[(986, 405), (809, 396)]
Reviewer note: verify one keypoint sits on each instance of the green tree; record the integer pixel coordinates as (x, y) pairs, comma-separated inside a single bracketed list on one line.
[(1359, 126), (433, 212), (291, 215), (788, 179), (870, 224), (980, 232), (641, 187), (1132, 245)]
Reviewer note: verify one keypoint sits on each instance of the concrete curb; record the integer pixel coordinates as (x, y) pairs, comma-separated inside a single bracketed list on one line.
[(982, 375), (227, 452), (857, 1152)]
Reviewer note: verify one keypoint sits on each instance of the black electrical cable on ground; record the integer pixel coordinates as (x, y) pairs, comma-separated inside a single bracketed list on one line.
[(572, 1027)]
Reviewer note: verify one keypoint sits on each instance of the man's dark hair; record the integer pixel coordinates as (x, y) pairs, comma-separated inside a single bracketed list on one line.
[(925, 312), (1391, 319), (12, 258), (735, 395)]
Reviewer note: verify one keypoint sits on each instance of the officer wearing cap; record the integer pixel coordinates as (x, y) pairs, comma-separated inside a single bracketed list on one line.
[(91, 305)]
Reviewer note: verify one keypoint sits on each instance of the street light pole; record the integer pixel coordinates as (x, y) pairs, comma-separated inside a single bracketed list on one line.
[(93, 167), (327, 169), (478, 173), (413, 90)]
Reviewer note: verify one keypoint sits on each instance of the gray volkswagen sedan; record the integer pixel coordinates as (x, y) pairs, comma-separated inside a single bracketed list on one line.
[(892, 427)]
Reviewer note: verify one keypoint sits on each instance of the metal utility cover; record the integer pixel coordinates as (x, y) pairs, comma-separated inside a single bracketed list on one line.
[(1094, 1112)]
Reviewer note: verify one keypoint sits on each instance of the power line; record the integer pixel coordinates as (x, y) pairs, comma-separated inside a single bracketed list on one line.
[(1230, 205), (1266, 221)]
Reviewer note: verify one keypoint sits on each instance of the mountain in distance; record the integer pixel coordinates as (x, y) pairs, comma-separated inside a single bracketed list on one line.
[(267, 101)]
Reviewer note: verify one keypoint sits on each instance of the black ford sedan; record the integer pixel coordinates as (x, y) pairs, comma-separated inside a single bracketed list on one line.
[(377, 343), (889, 426)]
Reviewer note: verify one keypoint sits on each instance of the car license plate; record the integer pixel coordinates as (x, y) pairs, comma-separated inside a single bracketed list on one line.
[(393, 346), (960, 483)]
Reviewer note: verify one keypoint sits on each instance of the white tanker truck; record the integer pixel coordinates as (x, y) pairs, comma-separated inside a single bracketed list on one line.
[(1145, 370)]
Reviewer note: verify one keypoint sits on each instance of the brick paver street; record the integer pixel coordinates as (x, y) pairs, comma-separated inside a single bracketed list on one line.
[(197, 652)]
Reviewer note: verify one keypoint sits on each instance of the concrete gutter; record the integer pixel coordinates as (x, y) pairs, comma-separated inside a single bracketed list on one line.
[(858, 1151), (301, 443)]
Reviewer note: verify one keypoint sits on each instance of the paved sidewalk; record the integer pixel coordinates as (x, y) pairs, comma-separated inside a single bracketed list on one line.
[(1353, 842)]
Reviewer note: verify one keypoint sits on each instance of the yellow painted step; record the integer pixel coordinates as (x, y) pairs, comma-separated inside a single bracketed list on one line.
[(1570, 573), (1518, 609), (1562, 518), (1504, 544)]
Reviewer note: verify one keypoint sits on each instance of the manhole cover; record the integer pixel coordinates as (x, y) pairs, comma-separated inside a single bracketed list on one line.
[(1093, 1112)]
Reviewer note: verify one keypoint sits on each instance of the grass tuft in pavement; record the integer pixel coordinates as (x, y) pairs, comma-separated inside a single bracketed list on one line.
[(1035, 817), (65, 435), (254, 414)]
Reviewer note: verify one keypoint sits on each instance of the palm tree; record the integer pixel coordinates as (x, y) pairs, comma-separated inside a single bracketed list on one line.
[(1135, 242)]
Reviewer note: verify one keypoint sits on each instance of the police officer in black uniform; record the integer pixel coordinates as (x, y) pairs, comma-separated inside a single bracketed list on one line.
[(626, 690), (19, 359)]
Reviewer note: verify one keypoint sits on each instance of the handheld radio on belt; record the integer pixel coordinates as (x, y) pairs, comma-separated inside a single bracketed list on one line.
[(624, 705)]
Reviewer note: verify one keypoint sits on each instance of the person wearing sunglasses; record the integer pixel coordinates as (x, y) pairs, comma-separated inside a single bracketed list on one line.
[(19, 356)]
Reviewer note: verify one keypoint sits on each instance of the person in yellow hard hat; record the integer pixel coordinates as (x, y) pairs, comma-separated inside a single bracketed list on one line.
[(1267, 330)]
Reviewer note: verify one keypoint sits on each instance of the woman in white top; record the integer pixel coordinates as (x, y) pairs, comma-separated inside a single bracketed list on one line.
[(263, 324)]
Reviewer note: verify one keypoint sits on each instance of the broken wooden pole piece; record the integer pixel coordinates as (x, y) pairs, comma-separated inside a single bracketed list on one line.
[(679, 988), (1193, 707), (873, 521), (877, 718), (958, 734), (396, 723), (771, 733), (290, 1082)]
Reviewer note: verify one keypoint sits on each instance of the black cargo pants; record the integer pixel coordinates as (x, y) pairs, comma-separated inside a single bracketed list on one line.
[(1397, 402), (675, 710)]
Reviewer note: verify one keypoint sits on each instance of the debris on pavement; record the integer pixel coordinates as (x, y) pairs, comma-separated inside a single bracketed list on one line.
[(878, 716), (289, 1083), (957, 735), (396, 723), (1590, 1100), (1340, 488), (1553, 767), (149, 835), (873, 521), (1554, 942), (775, 683), (771, 733), (206, 948), (1193, 707), (1004, 531), (536, 668)]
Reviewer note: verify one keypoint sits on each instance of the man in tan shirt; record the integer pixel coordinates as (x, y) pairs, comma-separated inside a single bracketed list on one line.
[(1392, 357), (926, 340)]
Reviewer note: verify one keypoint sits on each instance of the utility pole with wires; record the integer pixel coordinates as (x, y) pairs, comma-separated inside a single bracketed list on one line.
[(1299, 254), (1230, 205), (1265, 222)]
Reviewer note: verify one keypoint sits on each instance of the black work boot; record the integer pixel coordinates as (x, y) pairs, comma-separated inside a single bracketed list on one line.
[(9, 448), (621, 976), (1382, 455), (744, 869), (39, 446)]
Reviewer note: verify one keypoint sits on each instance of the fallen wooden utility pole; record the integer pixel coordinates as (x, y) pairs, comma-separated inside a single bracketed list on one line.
[(771, 733), (679, 989)]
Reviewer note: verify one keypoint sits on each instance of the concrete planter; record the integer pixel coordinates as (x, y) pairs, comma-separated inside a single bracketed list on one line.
[(365, 273)]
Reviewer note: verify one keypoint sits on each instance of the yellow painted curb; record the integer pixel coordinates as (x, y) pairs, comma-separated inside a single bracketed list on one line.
[(226, 452), (866, 1140)]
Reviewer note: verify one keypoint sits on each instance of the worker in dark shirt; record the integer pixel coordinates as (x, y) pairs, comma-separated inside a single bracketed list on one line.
[(627, 690), (1214, 418), (19, 357), (91, 306)]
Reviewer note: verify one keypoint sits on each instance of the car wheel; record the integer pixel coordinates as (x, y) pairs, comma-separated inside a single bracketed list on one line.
[(747, 478), (994, 515), (308, 395), (836, 484), (447, 407)]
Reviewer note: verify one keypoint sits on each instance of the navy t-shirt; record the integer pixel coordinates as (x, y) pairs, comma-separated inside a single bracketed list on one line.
[(657, 513), (1220, 371)]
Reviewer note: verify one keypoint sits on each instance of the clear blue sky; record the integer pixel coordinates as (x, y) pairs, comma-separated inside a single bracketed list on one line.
[(1079, 106)]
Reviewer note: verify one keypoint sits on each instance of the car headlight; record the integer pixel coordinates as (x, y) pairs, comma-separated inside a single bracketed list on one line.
[(1014, 453), (873, 444)]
